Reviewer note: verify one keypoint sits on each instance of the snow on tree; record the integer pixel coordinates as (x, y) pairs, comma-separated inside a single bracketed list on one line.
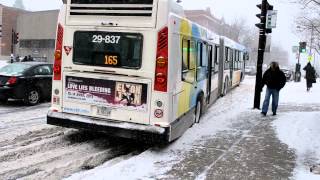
[(19, 4)]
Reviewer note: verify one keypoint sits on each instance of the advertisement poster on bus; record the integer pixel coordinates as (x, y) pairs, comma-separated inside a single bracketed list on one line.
[(108, 93)]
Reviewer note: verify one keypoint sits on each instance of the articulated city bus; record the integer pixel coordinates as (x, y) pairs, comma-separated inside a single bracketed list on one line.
[(137, 68)]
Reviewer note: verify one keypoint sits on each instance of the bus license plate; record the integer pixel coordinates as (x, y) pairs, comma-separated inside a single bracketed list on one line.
[(103, 111)]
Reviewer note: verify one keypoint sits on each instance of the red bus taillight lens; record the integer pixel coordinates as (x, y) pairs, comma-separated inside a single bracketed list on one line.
[(161, 72), (11, 81), (58, 54)]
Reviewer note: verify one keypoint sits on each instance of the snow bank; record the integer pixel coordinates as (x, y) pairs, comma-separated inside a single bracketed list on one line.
[(301, 130), (303, 174), (156, 161), (3, 63), (296, 93)]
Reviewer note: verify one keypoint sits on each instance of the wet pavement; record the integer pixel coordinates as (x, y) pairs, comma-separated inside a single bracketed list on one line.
[(249, 150)]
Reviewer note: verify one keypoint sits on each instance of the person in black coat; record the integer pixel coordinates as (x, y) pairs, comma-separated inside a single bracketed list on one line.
[(275, 80), (310, 75)]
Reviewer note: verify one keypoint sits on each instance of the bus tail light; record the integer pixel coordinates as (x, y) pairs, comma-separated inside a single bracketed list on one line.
[(161, 72), (58, 54)]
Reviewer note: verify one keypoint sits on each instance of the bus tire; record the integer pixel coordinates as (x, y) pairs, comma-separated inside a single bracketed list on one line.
[(3, 100), (242, 76), (225, 87), (198, 110)]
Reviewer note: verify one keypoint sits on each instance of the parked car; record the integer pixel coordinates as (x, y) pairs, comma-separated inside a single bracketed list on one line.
[(250, 70), (288, 73), (28, 81)]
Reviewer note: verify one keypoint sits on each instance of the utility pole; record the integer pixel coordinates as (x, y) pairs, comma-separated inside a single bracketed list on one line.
[(264, 6), (311, 43), (12, 44), (302, 49)]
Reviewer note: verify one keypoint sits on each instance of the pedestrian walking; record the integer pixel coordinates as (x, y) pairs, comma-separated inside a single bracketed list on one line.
[(275, 80), (310, 75), (18, 58), (25, 59), (30, 58)]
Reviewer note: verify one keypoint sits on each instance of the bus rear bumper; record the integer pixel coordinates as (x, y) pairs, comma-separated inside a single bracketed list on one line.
[(139, 132)]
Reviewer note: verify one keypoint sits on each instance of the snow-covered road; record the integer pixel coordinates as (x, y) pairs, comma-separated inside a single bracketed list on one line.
[(232, 141), (31, 149)]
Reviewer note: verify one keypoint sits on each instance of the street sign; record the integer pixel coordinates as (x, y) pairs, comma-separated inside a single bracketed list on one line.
[(271, 19), (295, 49)]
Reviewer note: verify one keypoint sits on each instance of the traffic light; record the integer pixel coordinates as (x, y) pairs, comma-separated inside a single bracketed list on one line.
[(265, 7), (303, 47), (16, 38)]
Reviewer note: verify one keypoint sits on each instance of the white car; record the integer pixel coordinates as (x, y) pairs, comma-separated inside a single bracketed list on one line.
[(3, 63), (250, 70)]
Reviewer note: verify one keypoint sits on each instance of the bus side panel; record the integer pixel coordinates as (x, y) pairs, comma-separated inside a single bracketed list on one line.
[(236, 78), (57, 85), (186, 93)]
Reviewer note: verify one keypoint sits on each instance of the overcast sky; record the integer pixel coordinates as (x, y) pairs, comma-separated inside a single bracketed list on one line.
[(229, 9)]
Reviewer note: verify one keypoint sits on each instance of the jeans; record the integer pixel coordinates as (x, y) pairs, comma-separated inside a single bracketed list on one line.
[(275, 100)]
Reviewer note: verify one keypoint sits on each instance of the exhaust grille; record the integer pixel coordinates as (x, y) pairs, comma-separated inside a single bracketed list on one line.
[(163, 39), (111, 10)]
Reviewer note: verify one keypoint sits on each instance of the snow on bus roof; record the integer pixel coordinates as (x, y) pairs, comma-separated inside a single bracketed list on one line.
[(231, 43), (211, 35)]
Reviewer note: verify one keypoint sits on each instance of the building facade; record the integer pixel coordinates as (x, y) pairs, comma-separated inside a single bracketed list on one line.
[(37, 31), (8, 22), (206, 19)]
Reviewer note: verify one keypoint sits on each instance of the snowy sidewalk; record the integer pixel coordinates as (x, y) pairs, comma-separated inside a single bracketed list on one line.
[(233, 141)]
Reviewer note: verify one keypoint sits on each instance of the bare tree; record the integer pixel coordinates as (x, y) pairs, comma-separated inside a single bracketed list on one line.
[(306, 3), (308, 23), (19, 4)]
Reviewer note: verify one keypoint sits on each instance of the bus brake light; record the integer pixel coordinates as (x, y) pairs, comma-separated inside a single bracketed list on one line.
[(161, 72), (58, 54)]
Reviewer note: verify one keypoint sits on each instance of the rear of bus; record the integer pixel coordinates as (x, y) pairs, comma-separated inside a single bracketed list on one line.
[(111, 68)]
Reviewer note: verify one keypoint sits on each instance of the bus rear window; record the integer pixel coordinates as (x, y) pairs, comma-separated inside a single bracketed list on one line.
[(109, 49), (111, 1)]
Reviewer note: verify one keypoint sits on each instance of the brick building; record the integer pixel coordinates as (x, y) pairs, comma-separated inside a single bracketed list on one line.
[(8, 21), (206, 19)]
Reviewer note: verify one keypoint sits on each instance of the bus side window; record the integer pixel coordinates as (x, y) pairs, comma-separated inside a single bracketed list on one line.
[(199, 54), (188, 61), (235, 64), (231, 60), (185, 56), (192, 62), (227, 54), (216, 59), (202, 61), (238, 60)]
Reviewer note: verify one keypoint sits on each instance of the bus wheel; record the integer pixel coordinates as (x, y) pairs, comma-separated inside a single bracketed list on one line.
[(3, 100), (198, 111), (225, 87)]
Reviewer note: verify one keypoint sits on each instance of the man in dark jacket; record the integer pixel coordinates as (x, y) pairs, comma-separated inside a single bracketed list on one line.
[(275, 80), (310, 75)]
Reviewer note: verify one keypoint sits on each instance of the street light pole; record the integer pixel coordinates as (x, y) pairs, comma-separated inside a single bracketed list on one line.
[(311, 40), (264, 6)]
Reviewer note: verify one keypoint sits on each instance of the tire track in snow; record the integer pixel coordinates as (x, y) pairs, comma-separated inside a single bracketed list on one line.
[(9, 109), (31, 149), (63, 156)]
